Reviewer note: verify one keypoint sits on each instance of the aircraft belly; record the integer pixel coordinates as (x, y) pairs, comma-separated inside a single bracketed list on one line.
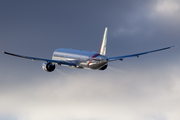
[(83, 63), (96, 65)]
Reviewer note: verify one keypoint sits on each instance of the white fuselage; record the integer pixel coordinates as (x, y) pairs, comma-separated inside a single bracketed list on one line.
[(83, 59)]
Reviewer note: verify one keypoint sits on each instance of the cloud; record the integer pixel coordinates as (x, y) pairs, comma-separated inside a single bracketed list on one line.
[(112, 94), (167, 7), (166, 11)]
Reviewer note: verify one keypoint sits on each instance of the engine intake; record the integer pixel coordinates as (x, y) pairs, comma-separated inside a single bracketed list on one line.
[(48, 66)]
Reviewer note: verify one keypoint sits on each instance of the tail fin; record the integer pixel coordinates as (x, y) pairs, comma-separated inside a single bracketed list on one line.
[(102, 50)]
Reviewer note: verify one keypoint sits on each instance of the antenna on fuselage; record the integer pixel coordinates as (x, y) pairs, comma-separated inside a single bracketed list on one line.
[(102, 50)]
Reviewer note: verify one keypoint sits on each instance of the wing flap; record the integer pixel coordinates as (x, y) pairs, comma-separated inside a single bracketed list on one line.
[(71, 63), (137, 54)]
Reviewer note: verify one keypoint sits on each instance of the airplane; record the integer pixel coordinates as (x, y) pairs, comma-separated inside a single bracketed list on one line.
[(82, 59)]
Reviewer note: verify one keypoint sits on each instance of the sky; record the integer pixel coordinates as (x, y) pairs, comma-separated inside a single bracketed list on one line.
[(145, 88)]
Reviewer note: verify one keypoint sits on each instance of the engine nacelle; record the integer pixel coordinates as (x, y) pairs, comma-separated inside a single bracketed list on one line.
[(48, 66), (103, 67)]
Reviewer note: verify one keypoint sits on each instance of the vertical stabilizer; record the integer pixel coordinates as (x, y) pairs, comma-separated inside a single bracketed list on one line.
[(102, 50)]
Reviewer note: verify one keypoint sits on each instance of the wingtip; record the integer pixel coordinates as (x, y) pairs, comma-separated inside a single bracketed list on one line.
[(173, 46), (5, 52)]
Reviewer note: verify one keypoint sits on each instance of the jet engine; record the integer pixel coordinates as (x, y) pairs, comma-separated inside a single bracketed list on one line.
[(103, 67), (48, 66)]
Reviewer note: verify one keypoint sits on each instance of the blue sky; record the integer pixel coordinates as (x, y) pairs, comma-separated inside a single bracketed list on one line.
[(135, 89)]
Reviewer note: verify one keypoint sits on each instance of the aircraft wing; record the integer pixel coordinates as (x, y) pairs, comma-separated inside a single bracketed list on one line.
[(71, 63), (136, 55)]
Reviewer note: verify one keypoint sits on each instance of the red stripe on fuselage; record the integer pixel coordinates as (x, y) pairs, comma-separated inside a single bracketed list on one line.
[(92, 58)]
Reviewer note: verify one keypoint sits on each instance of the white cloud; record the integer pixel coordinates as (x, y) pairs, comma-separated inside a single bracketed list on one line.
[(167, 7), (109, 95)]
